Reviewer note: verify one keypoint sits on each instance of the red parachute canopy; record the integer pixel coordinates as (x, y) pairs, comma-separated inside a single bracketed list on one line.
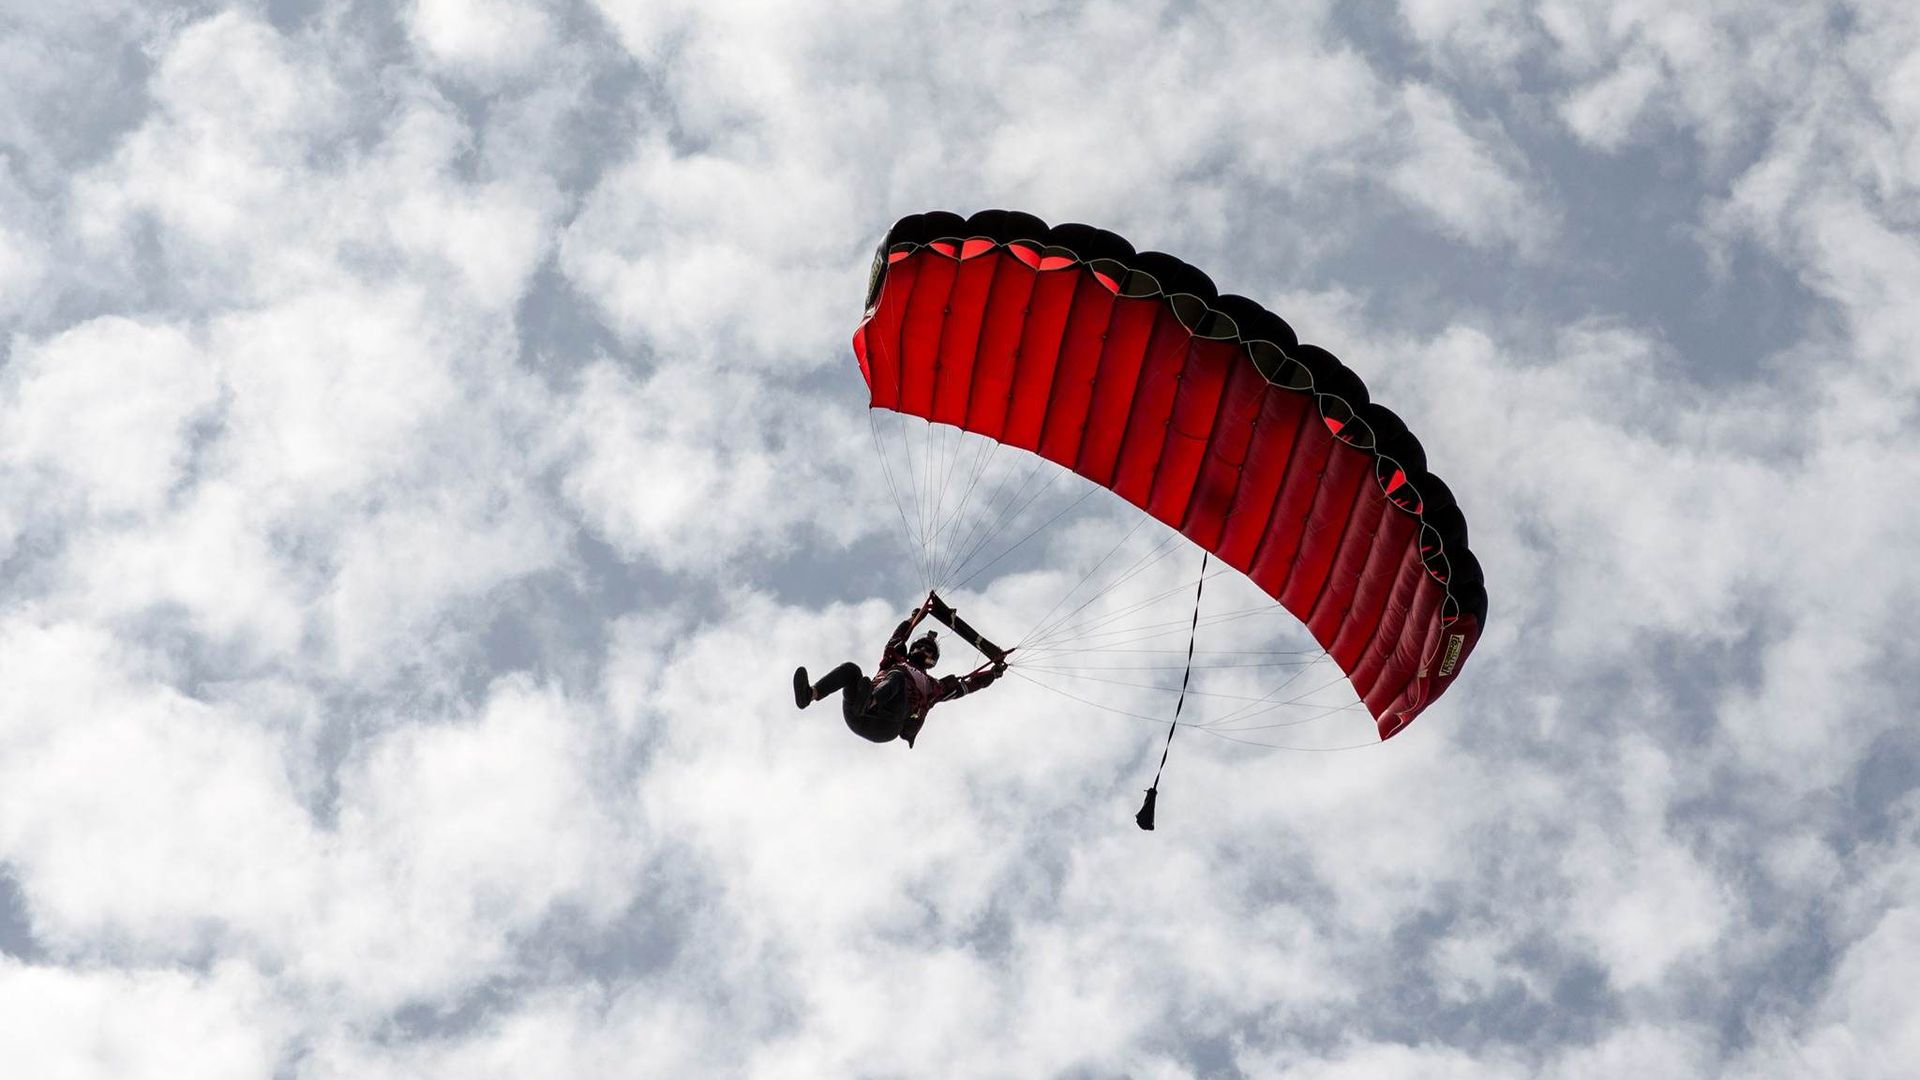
[(1204, 411)]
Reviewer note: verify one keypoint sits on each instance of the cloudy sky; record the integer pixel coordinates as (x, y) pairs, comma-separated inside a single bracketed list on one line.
[(428, 439)]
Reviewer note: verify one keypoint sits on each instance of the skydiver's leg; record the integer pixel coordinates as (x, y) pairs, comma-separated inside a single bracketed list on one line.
[(873, 710), (854, 687)]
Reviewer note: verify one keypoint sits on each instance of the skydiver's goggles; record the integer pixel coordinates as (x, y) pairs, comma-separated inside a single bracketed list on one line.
[(926, 646)]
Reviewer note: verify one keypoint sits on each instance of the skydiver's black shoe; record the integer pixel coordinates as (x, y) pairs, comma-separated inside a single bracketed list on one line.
[(802, 689)]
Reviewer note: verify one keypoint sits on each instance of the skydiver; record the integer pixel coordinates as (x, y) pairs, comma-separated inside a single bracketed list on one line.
[(895, 702)]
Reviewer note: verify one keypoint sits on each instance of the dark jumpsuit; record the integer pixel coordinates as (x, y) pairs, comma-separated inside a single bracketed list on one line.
[(894, 703)]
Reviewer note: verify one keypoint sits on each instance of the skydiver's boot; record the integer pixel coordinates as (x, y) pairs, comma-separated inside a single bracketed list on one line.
[(802, 689)]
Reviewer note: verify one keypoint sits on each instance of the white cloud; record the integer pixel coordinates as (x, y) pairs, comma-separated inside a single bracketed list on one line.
[(576, 1033), (493, 36), (1864, 1023), (721, 261), (1640, 898), (1459, 178), (23, 246), (330, 390), (1877, 1011), (454, 839), (69, 1022), (107, 409), (1640, 1050), (153, 827), (292, 450), (140, 817), (63, 76), (693, 467), (211, 166), (1386, 1059), (279, 194), (1603, 112), (1482, 37), (211, 559)]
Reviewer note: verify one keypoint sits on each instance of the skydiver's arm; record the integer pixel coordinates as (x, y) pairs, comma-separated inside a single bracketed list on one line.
[(953, 686), (896, 650), (980, 680)]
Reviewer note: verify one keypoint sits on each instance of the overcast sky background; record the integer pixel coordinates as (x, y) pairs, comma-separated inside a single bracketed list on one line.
[(428, 438)]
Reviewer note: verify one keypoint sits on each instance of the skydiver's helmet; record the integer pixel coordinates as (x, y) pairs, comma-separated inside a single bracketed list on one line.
[(925, 651)]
